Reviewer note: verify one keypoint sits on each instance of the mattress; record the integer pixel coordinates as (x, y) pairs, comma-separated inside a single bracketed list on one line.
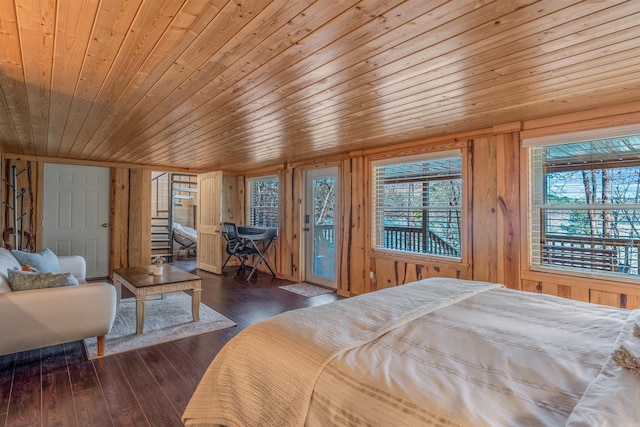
[(434, 352)]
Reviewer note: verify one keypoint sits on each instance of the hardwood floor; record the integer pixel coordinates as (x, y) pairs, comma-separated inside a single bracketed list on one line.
[(58, 386)]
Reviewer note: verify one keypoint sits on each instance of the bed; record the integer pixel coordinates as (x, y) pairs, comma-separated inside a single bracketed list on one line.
[(435, 352)]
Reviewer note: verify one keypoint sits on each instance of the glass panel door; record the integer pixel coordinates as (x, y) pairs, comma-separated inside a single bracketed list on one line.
[(320, 219)]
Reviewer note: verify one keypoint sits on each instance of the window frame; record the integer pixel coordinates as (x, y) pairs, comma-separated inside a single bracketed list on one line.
[(463, 208), (249, 220), (535, 200)]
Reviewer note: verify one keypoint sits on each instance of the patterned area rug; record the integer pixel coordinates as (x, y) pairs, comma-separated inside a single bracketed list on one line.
[(306, 290), (165, 320)]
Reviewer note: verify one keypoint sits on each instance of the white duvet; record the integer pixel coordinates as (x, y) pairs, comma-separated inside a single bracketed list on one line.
[(437, 352)]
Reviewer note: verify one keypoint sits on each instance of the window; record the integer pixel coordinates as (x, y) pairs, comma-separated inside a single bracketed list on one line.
[(418, 204), (262, 201), (585, 206)]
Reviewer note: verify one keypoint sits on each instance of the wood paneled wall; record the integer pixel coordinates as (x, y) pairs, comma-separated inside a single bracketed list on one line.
[(28, 179), (391, 270), (139, 217), (353, 227), (496, 231), (289, 230), (508, 200), (119, 218), (485, 209), (129, 204)]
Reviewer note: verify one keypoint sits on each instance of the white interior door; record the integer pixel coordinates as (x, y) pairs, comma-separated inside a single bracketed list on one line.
[(320, 225), (75, 215)]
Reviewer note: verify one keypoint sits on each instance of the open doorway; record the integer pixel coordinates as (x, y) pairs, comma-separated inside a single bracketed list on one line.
[(174, 233)]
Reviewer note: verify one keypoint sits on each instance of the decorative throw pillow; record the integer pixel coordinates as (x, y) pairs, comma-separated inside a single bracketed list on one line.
[(24, 280), (627, 360), (624, 356), (44, 261), (27, 267)]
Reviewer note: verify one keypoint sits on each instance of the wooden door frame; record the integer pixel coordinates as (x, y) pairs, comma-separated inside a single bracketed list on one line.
[(337, 230)]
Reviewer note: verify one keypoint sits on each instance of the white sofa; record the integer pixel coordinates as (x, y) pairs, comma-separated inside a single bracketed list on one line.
[(42, 317)]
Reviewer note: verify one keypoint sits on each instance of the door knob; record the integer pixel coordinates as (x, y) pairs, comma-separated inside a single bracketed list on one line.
[(105, 225)]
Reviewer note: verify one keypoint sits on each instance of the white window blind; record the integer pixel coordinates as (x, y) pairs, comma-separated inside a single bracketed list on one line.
[(585, 206), (417, 204), (262, 201)]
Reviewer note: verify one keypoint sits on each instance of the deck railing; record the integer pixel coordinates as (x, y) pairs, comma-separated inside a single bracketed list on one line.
[(606, 254), (411, 239), (610, 254), (414, 239), (324, 232)]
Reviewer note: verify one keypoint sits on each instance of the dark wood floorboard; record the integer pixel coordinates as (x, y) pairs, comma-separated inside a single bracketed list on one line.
[(91, 408), (121, 400), (83, 376), (54, 360), (58, 408), (7, 364), (59, 386), (147, 391), (26, 390), (170, 382)]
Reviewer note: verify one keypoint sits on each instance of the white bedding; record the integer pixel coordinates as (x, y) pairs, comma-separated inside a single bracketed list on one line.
[(468, 353)]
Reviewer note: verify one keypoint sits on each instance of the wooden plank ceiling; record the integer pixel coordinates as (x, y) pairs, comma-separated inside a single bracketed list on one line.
[(215, 84)]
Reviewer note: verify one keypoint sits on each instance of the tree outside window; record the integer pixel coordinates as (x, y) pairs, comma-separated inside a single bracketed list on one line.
[(418, 205), (586, 206), (262, 201)]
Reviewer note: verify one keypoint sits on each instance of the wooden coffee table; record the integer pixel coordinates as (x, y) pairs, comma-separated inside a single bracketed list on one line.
[(142, 282)]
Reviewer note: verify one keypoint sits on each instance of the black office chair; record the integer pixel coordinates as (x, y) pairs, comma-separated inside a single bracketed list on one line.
[(236, 247)]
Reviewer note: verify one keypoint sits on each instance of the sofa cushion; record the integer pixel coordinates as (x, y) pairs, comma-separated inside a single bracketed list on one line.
[(44, 261), (26, 280), (7, 261)]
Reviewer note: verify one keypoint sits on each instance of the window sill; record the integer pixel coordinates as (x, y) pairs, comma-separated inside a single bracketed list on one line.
[(417, 258), (566, 276)]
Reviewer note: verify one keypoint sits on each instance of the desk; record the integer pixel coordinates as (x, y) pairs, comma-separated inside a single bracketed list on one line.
[(255, 235)]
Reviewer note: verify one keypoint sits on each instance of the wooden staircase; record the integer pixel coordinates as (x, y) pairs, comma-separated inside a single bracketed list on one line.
[(184, 194), (170, 191), (161, 245)]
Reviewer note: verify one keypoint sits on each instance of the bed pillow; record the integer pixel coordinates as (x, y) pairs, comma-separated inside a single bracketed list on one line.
[(44, 261), (25, 280)]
